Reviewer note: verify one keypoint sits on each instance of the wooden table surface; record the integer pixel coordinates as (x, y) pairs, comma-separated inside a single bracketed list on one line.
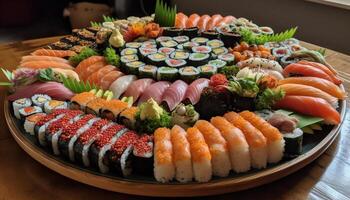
[(21, 177)]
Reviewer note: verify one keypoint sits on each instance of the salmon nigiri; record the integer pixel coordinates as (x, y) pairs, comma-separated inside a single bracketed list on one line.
[(237, 144), (256, 140), (45, 64), (44, 58), (275, 141), (305, 70), (54, 53), (85, 73), (87, 62), (322, 84), (96, 76), (180, 20), (109, 78), (226, 20), (203, 21), (305, 90), (312, 106), (217, 146), (192, 20), (212, 22), (322, 67)]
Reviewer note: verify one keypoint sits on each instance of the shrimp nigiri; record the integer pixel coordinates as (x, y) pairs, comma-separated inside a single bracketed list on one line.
[(275, 141), (180, 20), (312, 106), (256, 140), (203, 21), (322, 67), (192, 20), (212, 22), (305, 70)]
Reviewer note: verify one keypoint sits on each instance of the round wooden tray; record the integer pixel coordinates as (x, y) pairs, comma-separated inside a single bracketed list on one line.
[(148, 187)]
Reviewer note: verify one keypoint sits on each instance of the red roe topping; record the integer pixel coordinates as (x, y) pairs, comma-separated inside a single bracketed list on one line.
[(127, 139), (143, 145), (92, 131), (70, 130), (28, 109), (108, 134), (61, 123), (54, 114)]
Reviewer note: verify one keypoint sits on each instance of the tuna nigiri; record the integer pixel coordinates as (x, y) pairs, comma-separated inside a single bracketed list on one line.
[(324, 68), (312, 106), (194, 90), (217, 146), (137, 87), (180, 20), (85, 73), (305, 70), (109, 78), (200, 154), (181, 154), (154, 91), (305, 90), (54, 53), (226, 20), (164, 170), (237, 144), (203, 21), (275, 141), (192, 20), (43, 64), (174, 94), (213, 21), (119, 86), (322, 84), (87, 62), (44, 58), (256, 140)]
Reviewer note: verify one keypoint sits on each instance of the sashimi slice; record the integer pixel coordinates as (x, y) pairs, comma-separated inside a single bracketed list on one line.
[(55, 90), (85, 73), (192, 20), (324, 68), (202, 23), (312, 106), (87, 62), (194, 90), (137, 88), (180, 20), (304, 70), (109, 78), (226, 20), (54, 53), (45, 64), (174, 94), (44, 58), (119, 86), (154, 91), (212, 22), (97, 76)]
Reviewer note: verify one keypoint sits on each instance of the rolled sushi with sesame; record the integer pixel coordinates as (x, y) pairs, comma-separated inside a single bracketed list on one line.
[(157, 59), (134, 45), (180, 55), (172, 31), (181, 39), (206, 71), (176, 63), (166, 50), (281, 52), (128, 51), (169, 44), (188, 45), (133, 67), (219, 51), (228, 58), (144, 52), (197, 59), (215, 43), (40, 99), (162, 39), (189, 74), (217, 63), (167, 74), (30, 122), (148, 71), (296, 47), (201, 49), (27, 111), (54, 104), (200, 40), (20, 103)]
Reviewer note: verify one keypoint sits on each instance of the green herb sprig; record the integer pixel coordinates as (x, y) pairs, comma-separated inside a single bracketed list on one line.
[(251, 38), (77, 86), (85, 53), (165, 15), (111, 56)]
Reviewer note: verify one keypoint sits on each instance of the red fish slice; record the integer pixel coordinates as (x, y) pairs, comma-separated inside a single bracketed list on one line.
[(174, 94), (54, 53), (194, 90), (109, 78), (154, 91), (137, 88)]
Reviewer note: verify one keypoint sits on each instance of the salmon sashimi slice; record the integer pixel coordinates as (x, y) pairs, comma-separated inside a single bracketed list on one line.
[(91, 69), (226, 20), (192, 20), (97, 76), (180, 20), (212, 22), (44, 58), (87, 62), (305, 70), (312, 106), (109, 78), (203, 21), (54, 53), (327, 70), (45, 64)]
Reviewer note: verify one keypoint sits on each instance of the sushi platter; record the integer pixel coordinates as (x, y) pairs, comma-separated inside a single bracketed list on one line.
[(175, 105)]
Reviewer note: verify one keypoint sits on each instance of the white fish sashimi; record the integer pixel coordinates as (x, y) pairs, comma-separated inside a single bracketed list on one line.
[(119, 86), (260, 63)]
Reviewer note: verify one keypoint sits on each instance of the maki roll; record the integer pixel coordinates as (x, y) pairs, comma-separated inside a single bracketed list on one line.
[(70, 39), (206, 71), (200, 40), (201, 49), (79, 101), (40, 99), (181, 39), (147, 51), (94, 29), (228, 58), (94, 106), (148, 71), (197, 59), (167, 74), (20, 103), (133, 67), (293, 142), (166, 50), (215, 43), (180, 55), (99, 148), (86, 34), (86, 43), (157, 59), (286, 60), (134, 45), (188, 45), (27, 111), (272, 45), (190, 32), (128, 51), (143, 155), (217, 63), (171, 31), (113, 108), (149, 45), (169, 44), (175, 63), (180, 46), (162, 39), (127, 117), (210, 34), (296, 47), (60, 45), (281, 52), (30, 122), (266, 30), (128, 58), (230, 39), (77, 48), (54, 104), (189, 74), (290, 41), (219, 51)]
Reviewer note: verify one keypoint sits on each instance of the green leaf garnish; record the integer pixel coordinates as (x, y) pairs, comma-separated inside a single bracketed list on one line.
[(305, 121), (7, 73), (6, 84), (77, 86), (251, 38), (85, 53), (268, 97), (165, 15), (46, 75), (111, 56), (322, 51)]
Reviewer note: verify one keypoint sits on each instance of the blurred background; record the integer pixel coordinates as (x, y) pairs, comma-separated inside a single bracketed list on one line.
[(324, 25)]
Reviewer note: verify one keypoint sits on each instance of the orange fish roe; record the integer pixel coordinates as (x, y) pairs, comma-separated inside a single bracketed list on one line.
[(69, 131), (127, 139), (108, 134), (83, 98), (92, 131), (129, 112)]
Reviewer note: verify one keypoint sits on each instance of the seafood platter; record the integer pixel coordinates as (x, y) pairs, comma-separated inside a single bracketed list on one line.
[(174, 104)]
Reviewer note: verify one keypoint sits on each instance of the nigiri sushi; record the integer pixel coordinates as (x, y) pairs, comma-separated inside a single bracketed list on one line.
[(203, 21), (86, 72), (256, 140), (154, 91), (87, 62), (119, 86), (304, 70), (200, 154), (226, 20), (79, 101), (113, 108), (194, 90), (180, 20), (137, 87), (322, 84), (237, 144), (97, 75), (312, 106), (164, 169), (44, 58), (43, 64), (192, 20), (275, 141), (305, 90), (174, 94), (54, 53), (260, 63), (109, 78), (68, 73), (181, 154), (218, 148), (213, 21), (324, 68)]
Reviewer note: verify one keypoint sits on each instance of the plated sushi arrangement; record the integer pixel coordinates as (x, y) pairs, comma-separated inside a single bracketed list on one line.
[(176, 98)]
